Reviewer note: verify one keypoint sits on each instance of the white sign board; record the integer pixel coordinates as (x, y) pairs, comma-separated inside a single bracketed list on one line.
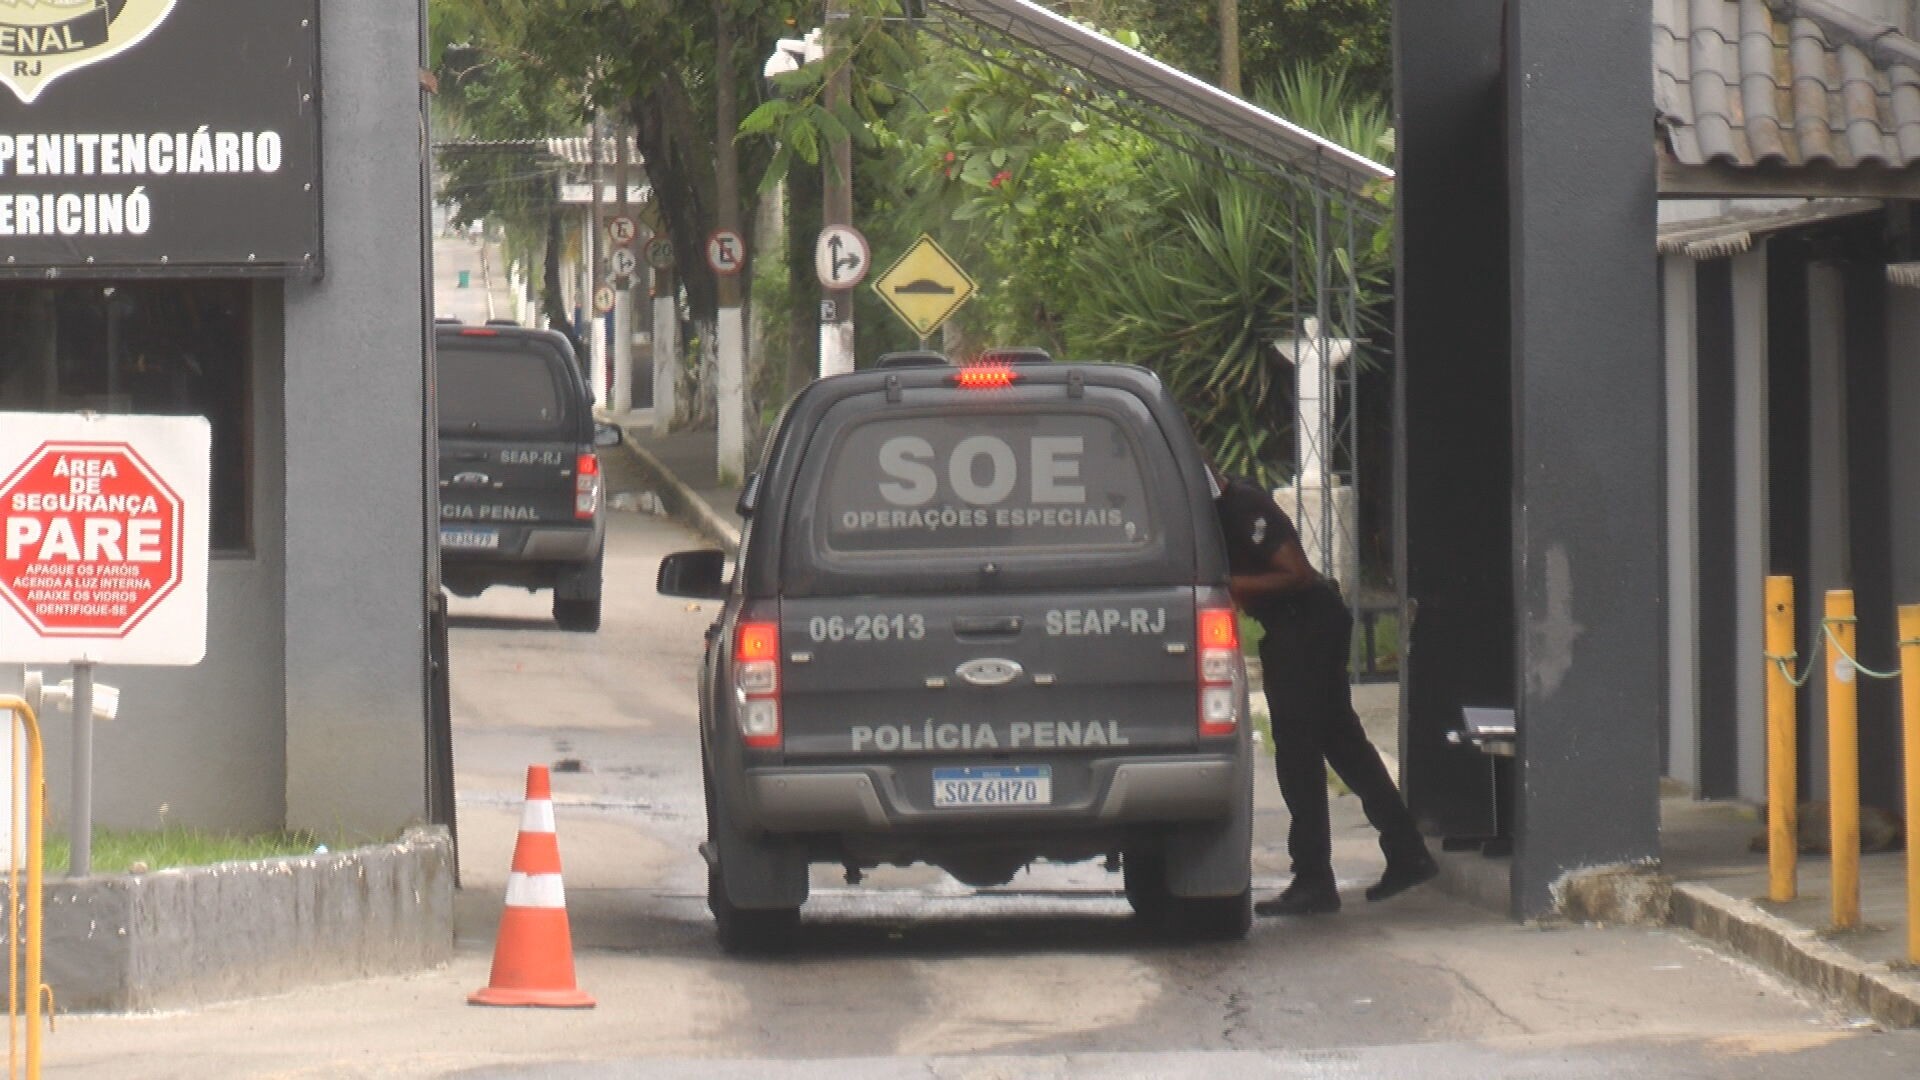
[(840, 258), (726, 252), (103, 538)]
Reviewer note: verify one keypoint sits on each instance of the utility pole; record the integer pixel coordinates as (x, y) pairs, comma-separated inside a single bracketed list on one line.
[(730, 337), (1230, 46), (619, 396), (836, 305), (596, 258), (666, 343)]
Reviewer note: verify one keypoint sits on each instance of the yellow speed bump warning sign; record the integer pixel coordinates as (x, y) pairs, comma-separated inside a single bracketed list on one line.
[(925, 286)]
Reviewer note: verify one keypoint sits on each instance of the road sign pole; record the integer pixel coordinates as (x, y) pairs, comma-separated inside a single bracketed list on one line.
[(80, 818), (836, 309)]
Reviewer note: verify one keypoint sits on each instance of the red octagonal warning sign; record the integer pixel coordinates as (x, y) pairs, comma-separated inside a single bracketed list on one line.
[(90, 539)]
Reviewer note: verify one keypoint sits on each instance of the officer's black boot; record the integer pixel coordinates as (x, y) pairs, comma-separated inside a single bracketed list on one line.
[(1306, 896)]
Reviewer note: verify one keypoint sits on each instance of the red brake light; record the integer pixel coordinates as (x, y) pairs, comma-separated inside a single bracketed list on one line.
[(586, 487), (476, 332), (757, 641), (756, 683), (1219, 629), (985, 377), (1221, 671)]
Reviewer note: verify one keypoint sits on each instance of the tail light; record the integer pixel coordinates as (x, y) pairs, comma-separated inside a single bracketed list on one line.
[(1221, 670), (985, 377), (586, 487), (756, 683)]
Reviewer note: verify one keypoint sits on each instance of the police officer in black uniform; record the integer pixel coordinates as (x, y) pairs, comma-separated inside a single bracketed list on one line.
[(1303, 653)]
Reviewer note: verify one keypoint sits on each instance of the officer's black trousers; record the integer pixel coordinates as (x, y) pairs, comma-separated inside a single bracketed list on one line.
[(1304, 656)]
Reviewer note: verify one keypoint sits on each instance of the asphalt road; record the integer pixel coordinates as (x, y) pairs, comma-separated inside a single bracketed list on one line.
[(913, 974)]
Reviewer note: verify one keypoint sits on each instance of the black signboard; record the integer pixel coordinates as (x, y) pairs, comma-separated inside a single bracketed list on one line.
[(159, 137)]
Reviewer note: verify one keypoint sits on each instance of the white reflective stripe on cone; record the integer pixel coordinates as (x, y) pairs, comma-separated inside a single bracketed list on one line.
[(535, 891), (537, 817)]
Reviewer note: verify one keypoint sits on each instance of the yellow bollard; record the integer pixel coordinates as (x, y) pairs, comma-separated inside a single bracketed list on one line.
[(1783, 755), (1910, 714), (17, 710), (1843, 758)]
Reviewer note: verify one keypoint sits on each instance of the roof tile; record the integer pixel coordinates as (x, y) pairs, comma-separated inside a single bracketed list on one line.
[(1784, 82)]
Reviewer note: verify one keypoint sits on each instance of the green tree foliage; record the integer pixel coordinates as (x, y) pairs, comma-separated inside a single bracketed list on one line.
[(480, 99), (1099, 242), (1354, 36)]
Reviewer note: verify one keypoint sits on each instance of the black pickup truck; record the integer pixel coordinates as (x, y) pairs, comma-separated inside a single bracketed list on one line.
[(520, 485), (979, 618)]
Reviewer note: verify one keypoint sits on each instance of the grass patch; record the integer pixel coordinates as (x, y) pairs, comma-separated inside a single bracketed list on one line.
[(116, 851)]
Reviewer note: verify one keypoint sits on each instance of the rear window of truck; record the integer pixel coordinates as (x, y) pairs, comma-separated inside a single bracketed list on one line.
[(1039, 480), (500, 387)]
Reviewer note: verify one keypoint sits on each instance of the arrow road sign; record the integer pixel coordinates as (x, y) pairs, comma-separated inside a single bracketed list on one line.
[(841, 257), (623, 262)]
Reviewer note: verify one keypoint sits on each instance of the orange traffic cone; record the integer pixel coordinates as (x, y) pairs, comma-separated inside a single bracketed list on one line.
[(533, 956)]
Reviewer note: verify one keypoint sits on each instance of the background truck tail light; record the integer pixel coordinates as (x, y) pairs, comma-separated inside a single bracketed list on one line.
[(586, 487), (756, 683), (1221, 672)]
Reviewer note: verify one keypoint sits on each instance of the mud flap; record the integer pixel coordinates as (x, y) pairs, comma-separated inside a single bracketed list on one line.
[(583, 582), (1214, 859), (756, 874)]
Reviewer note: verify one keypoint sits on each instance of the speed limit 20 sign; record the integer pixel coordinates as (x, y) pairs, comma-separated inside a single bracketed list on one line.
[(103, 538)]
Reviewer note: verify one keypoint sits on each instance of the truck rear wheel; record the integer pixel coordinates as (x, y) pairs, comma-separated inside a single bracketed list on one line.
[(577, 616), (1145, 875)]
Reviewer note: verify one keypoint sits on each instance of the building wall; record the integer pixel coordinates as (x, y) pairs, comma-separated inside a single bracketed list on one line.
[(356, 539), (202, 746)]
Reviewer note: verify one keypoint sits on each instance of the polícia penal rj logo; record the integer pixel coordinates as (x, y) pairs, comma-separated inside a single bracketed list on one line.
[(41, 40)]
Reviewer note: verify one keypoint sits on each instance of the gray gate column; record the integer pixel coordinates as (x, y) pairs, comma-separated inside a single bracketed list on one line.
[(1588, 498)]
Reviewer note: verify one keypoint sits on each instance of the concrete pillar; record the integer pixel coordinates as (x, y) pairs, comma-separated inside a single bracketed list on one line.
[(1589, 586), (356, 451), (1680, 281), (1750, 331)]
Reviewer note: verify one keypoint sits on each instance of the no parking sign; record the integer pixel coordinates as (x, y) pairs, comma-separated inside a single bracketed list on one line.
[(103, 538)]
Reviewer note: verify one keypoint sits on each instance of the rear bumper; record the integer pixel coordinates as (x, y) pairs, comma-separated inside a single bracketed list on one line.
[(872, 798)]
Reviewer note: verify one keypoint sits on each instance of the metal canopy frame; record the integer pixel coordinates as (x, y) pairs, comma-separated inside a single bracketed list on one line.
[(1326, 191), (1259, 136)]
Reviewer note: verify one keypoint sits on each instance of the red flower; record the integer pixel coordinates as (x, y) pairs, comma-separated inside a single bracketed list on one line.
[(949, 155), (999, 178)]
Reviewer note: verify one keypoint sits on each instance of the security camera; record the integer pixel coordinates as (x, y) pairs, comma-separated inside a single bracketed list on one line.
[(780, 63)]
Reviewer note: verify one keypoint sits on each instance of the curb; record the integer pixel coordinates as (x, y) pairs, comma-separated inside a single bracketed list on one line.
[(190, 936), (680, 501), (1799, 954)]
